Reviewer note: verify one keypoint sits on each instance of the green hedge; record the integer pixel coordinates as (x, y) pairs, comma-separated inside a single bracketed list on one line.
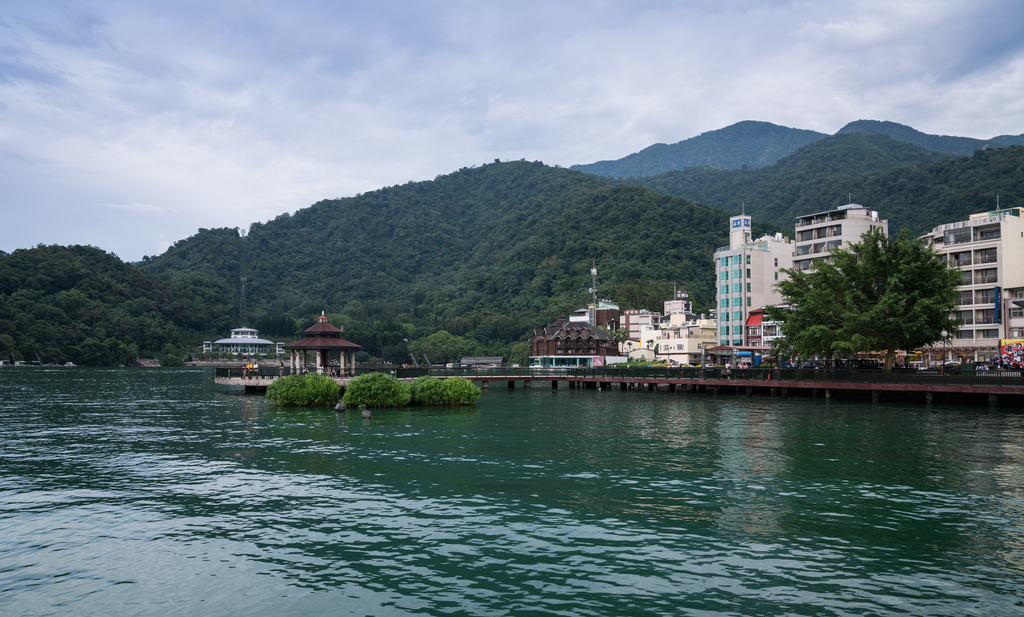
[(377, 390), (459, 391), (303, 390), (452, 391), (428, 391)]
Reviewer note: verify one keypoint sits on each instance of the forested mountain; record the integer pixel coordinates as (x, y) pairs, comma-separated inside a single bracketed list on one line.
[(752, 144), (909, 186), (83, 305), (486, 254), (964, 146), (744, 144), (471, 262)]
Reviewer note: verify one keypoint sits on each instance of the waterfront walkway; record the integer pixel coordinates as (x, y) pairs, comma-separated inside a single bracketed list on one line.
[(1003, 388)]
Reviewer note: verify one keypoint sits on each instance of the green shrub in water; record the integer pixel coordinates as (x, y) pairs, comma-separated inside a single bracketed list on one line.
[(321, 389), (376, 390), (428, 390), (459, 391), (303, 390)]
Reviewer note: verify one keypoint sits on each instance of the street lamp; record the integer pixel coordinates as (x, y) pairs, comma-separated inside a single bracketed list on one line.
[(945, 335)]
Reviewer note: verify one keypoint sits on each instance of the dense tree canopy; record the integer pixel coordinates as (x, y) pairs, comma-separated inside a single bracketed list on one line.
[(484, 255), (880, 294), (908, 185), (80, 304)]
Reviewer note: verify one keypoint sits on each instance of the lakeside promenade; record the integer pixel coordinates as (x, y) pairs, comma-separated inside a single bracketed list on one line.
[(992, 388)]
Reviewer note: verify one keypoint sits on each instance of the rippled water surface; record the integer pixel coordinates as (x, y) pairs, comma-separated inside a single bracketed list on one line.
[(149, 492)]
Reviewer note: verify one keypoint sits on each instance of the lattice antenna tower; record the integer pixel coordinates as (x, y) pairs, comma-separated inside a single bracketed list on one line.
[(244, 255)]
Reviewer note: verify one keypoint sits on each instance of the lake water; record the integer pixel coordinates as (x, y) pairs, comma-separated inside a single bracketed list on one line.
[(154, 492)]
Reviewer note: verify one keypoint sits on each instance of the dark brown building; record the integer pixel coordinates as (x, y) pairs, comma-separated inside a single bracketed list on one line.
[(571, 343)]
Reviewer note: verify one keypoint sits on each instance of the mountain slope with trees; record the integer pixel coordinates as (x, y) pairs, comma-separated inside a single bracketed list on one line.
[(80, 304), (751, 144), (909, 186), (483, 255), (744, 144), (961, 146)]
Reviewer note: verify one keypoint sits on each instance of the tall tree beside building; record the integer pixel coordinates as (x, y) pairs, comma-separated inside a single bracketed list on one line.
[(880, 294)]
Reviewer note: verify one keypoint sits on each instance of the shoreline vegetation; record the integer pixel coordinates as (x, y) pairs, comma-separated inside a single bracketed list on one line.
[(383, 390), (371, 390)]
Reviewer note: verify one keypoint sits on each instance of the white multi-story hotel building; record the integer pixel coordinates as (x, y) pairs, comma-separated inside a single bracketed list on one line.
[(989, 250), (747, 270), (817, 234)]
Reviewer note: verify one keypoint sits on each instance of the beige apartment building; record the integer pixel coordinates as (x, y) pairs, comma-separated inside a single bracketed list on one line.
[(817, 234), (678, 340), (989, 250)]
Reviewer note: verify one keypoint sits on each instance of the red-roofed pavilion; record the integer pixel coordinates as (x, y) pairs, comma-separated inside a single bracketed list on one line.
[(324, 339)]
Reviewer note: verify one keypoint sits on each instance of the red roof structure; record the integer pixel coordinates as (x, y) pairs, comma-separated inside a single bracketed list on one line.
[(323, 338)]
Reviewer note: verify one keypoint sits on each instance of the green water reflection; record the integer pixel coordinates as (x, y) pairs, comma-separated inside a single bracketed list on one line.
[(119, 485)]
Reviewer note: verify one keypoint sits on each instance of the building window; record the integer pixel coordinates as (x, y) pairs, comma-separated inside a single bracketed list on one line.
[(985, 316), (748, 298), (748, 287), (965, 334), (966, 277), (748, 262), (1016, 332), (984, 277), (736, 288), (735, 260), (985, 256), (967, 317), (956, 236), (725, 302), (985, 296), (988, 234), (776, 276), (748, 271), (966, 298), (993, 333), (776, 262), (1016, 311)]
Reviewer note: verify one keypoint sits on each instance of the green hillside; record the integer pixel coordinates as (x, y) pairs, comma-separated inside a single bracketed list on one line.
[(754, 145), (80, 304), (744, 144), (908, 185), (487, 254), (963, 146)]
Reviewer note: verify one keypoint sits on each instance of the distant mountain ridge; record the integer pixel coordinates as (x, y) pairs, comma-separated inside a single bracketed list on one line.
[(748, 143), (961, 146), (909, 185), (754, 144)]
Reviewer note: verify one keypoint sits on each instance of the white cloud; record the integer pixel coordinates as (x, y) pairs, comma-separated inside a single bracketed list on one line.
[(137, 208), (179, 116)]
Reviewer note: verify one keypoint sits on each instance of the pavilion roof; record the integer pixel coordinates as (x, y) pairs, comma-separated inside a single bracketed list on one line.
[(323, 342)]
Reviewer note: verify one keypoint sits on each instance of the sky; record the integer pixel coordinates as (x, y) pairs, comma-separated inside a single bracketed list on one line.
[(131, 125)]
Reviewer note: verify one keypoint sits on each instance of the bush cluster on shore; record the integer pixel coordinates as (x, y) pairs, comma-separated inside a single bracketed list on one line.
[(383, 390), (304, 390)]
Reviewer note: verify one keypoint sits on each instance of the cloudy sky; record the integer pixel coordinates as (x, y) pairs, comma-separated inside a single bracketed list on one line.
[(130, 125)]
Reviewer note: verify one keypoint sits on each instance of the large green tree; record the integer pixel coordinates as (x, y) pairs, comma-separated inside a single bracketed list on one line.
[(880, 294)]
